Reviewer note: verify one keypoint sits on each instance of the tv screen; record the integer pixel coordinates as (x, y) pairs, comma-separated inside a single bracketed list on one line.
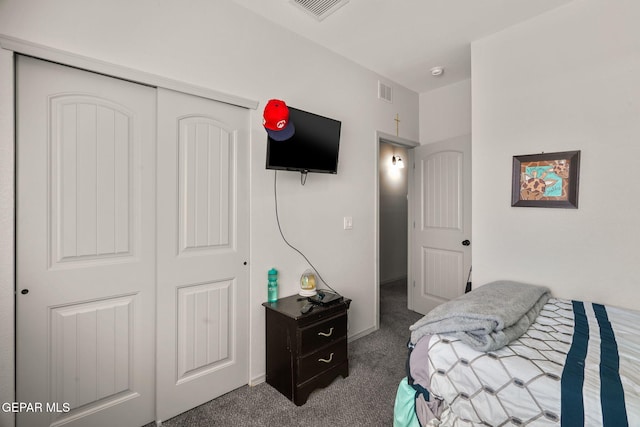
[(313, 147)]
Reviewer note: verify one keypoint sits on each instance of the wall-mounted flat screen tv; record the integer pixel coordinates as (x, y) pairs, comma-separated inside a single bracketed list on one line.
[(313, 147)]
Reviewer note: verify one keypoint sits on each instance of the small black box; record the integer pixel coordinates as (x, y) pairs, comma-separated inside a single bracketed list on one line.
[(325, 298)]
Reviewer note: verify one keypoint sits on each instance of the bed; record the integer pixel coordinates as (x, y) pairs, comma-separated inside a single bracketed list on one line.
[(571, 363)]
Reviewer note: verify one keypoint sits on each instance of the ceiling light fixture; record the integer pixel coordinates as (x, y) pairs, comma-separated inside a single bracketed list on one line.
[(437, 71)]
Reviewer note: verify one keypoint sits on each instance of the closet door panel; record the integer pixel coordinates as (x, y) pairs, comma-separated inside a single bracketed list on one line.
[(85, 247), (203, 246)]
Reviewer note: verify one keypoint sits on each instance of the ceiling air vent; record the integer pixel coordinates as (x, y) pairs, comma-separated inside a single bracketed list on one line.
[(320, 9), (385, 92)]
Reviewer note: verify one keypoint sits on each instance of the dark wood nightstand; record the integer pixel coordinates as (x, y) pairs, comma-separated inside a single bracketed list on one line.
[(305, 351)]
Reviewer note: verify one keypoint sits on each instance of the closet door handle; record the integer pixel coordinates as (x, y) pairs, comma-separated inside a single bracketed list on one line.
[(326, 360), (326, 334)]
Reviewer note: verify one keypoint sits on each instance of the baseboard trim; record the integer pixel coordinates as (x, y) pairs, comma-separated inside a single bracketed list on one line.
[(257, 380), (362, 334)]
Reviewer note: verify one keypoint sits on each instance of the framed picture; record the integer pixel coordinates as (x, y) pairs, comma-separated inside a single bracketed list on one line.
[(547, 180)]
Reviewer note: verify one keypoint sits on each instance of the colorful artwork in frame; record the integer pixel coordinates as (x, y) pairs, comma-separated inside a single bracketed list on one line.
[(547, 180)]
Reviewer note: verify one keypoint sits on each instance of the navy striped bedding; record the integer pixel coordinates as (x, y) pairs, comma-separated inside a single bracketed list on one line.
[(577, 365)]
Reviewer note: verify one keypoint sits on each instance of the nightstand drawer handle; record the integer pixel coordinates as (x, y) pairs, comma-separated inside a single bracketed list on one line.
[(327, 360), (323, 334)]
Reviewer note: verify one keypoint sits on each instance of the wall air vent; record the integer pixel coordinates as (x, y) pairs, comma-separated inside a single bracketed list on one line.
[(385, 92), (320, 9)]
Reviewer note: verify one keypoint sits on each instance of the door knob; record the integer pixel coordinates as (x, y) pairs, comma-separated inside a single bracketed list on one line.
[(466, 243)]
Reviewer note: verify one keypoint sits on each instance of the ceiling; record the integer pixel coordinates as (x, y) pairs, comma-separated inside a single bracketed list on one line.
[(403, 39)]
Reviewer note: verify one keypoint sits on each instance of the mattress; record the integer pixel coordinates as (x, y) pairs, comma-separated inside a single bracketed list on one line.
[(577, 364)]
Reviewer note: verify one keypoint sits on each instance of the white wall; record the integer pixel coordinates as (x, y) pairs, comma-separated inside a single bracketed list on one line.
[(445, 112), (566, 80), (219, 45), (393, 191)]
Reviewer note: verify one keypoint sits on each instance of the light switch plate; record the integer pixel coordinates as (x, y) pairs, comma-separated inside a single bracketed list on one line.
[(348, 223)]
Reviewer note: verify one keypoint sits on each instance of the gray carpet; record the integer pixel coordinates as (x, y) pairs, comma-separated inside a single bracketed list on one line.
[(365, 398)]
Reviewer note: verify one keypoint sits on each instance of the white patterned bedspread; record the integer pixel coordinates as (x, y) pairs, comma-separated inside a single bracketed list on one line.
[(577, 365)]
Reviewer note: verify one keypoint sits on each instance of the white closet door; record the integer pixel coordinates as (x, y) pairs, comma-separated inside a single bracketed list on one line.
[(203, 249), (85, 247)]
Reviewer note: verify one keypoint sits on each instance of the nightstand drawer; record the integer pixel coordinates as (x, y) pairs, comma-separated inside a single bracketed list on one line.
[(322, 360), (316, 336)]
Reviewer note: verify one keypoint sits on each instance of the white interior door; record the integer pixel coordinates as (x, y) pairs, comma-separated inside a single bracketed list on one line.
[(442, 229), (203, 249), (85, 247)]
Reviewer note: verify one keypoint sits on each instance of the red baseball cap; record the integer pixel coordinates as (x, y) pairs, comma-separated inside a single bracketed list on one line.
[(276, 120)]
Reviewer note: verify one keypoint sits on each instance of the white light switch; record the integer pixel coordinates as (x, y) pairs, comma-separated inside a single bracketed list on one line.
[(348, 223)]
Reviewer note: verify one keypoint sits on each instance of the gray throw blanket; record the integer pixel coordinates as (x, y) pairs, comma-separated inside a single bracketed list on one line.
[(487, 318)]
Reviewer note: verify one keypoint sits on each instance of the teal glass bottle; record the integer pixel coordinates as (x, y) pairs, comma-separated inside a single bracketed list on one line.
[(272, 285)]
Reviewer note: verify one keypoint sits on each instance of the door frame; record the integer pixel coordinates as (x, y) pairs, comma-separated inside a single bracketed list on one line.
[(408, 145), (9, 46)]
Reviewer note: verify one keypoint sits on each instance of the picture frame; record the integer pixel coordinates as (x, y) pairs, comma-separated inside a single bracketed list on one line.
[(546, 180)]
